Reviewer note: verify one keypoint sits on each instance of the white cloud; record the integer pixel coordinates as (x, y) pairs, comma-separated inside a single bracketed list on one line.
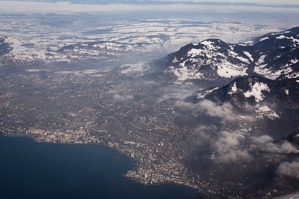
[(123, 97), (224, 111), (290, 169), (229, 147), (120, 97), (262, 139), (177, 92), (265, 142)]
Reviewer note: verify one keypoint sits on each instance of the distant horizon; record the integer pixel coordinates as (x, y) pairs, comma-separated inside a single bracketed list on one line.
[(267, 3), (151, 7)]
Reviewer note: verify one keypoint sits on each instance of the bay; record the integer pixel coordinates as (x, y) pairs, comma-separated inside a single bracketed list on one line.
[(47, 171)]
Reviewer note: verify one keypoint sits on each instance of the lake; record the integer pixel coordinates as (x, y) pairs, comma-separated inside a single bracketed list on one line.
[(43, 170)]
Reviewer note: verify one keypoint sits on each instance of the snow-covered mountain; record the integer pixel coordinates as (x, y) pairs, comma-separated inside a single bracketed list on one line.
[(274, 104), (255, 90), (274, 56)]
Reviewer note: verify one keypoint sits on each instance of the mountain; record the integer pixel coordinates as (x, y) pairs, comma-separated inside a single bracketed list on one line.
[(274, 103), (256, 90), (249, 131), (274, 56)]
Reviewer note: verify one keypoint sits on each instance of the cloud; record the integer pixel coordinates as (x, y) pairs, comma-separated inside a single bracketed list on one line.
[(285, 147), (224, 111), (177, 92), (290, 169), (233, 146), (207, 107), (123, 97), (229, 147), (263, 139), (120, 97), (265, 143)]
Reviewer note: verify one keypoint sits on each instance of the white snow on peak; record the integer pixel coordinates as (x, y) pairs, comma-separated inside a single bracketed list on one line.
[(207, 50), (183, 73), (208, 43), (261, 60), (194, 52), (216, 60), (274, 74), (205, 93), (264, 38), (294, 61), (235, 55), (256, 91), (233, 89), (228, 70), (295, 41), (281, 37), (248, 55)]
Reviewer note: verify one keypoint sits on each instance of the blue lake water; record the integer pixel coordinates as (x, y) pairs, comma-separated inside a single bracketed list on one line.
[(42, 170)]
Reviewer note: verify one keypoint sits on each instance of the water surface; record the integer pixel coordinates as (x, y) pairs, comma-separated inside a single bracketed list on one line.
[(42, 170)]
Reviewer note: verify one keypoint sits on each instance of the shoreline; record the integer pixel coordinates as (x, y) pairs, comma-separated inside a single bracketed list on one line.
[(134, 161)]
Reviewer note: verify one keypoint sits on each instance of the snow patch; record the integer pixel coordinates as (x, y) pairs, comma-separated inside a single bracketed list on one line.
[(281, 37), (264, 38), (266, 111), (256, 91), (205, 93), (235, 55), (233, 89), (228, 70), (185, 73), (261, 60), (208, 43), (294, 61), (194, 52), (248, 55), (274, 74)]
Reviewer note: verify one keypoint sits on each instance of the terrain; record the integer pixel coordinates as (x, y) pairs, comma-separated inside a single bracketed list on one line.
[(217, 117)]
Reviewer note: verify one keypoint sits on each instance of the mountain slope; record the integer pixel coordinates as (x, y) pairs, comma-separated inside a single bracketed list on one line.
[(273, 103), (274, 56)]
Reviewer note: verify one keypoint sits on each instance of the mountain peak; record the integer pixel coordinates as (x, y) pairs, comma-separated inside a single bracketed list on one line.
[(294, 30), (274, 56)]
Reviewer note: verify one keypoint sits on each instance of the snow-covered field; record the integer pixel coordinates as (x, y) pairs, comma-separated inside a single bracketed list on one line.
[(39, 37)]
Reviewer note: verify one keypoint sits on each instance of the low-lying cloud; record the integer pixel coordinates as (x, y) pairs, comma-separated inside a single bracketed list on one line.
[(120, 97), (123, 97), (224, 111), (290, 169), (177, 92), (206, 107), (267, 144), (229, 147)]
